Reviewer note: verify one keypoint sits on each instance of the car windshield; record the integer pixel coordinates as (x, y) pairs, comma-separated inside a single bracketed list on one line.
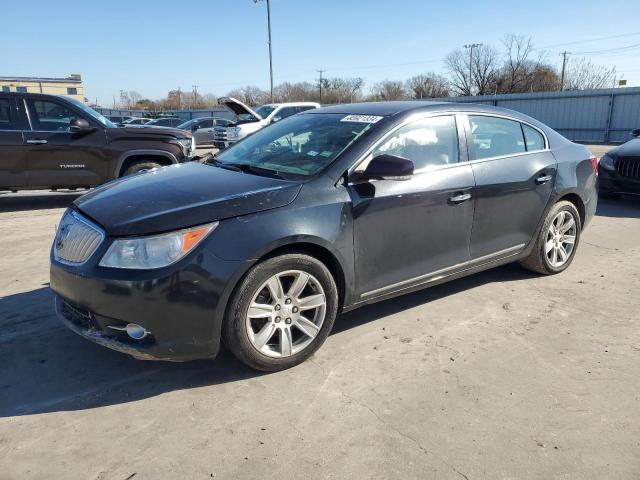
[(187, 124), (98, 116), (265, 110), (296, 147)]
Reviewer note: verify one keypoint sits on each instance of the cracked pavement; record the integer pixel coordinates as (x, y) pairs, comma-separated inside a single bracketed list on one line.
[(501, 375)]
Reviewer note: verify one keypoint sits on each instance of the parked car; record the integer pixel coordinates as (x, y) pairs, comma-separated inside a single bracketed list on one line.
[(172, 122), (119, 118), (135, 121), (620, 169), (49, 141), (249, 120), (317, 214), (202, 128)]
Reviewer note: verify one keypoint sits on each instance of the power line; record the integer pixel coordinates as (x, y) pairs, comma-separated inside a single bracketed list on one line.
[(589, 40)]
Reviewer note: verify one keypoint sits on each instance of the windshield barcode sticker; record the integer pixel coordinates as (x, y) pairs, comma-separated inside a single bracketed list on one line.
[(362, 118)]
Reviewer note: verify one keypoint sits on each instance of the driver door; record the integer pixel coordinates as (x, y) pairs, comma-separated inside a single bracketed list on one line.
[(204, 132), (57, 157), (406, 231)]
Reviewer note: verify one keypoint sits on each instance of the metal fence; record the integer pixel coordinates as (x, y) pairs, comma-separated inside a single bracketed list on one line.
[(606, 115), (185, 115)]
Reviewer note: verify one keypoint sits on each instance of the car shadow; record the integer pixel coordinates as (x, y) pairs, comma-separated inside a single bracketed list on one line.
[(47, 368), (26, 201), (623, 207)]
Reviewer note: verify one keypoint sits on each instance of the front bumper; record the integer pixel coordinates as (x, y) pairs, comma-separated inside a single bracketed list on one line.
[(182, 306), (611, 182)]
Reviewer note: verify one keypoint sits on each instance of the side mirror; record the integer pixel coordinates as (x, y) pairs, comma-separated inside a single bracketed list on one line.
[(389, 167), (635, 132), (79, 125), (276, 119)]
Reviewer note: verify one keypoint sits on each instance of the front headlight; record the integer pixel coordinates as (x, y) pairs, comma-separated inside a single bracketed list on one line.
[(607, 162), (156, 251), (187, 143)]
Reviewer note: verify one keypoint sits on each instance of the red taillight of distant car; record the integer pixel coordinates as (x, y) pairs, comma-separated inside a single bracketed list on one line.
[(594, 164)]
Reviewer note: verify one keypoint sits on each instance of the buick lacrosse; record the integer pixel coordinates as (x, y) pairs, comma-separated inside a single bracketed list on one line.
[(325, 211)]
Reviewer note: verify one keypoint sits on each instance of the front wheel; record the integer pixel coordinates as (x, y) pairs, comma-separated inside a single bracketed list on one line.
[(140, 166), (281, 313), (557, 240)]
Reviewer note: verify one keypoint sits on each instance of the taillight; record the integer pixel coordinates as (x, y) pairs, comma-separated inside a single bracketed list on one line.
[(594, 163)]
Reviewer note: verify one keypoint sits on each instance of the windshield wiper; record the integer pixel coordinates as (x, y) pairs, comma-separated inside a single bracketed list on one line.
[(251, 169)]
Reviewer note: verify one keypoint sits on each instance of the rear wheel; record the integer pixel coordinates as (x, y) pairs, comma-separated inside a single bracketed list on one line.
[(140, 166), (281, 313), (557, 241)]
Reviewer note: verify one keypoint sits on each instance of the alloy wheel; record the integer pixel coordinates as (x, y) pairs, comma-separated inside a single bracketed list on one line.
[(286, 313), (561, 239)]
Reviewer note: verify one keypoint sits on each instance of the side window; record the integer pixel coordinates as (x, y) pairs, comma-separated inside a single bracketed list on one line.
[(50, 116), (6, 88), (7, 120), (534, 139), (21, 89), (495, 137), (304, 108), (72, 91), (286, 112), (206, 123), (427, 143)]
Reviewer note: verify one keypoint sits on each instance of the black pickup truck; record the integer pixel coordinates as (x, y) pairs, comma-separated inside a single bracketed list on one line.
[(48, 141)]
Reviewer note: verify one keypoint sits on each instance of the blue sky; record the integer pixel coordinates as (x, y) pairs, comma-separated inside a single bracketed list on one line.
[(154, 46)]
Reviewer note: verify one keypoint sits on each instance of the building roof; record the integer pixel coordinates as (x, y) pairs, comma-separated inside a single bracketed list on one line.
[(71, 79)]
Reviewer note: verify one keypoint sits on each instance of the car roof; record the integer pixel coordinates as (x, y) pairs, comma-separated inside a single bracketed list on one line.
[(387, 109)]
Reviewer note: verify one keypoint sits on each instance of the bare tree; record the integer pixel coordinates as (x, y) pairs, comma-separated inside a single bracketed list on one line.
[(250, 95), (388, 90), (518, 65), (457, 63), (482, 65), (128, 99), (429, 85), (585, 75)]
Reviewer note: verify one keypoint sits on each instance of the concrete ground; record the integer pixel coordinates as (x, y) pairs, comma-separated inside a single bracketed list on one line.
[(502, 375)]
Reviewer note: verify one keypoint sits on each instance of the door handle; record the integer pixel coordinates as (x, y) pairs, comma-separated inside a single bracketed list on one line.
[(37, 141), (543, 179), (463, 197)]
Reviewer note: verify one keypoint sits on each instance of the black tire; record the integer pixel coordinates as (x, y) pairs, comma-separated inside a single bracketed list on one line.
[(537, 260), (139, 166), (234, 331)]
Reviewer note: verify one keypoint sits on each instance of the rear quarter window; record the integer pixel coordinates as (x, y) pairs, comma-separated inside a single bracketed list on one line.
[(7, 119), (534, 139)]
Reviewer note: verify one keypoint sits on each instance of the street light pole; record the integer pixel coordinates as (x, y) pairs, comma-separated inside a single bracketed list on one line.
[(471, 47), (270, 52)]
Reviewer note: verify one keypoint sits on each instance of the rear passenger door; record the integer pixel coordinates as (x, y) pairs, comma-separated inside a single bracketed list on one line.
[(13, 165), (514, 173), (57, 157)]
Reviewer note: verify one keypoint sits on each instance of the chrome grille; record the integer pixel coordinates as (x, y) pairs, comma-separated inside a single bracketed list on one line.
[(629, 167), (76, 239), (220, 134)]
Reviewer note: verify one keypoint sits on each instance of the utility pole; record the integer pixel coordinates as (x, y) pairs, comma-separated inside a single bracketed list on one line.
[(320, 83), (270, 52), (471, 46), (564, 66), (195, 95)]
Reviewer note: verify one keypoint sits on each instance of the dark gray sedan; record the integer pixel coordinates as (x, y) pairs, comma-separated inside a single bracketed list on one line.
[(314, 215)]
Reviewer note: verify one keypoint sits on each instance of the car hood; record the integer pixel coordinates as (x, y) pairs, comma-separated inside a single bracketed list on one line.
[(180, 196), (153, 130), (237, 107), (629, 149)]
